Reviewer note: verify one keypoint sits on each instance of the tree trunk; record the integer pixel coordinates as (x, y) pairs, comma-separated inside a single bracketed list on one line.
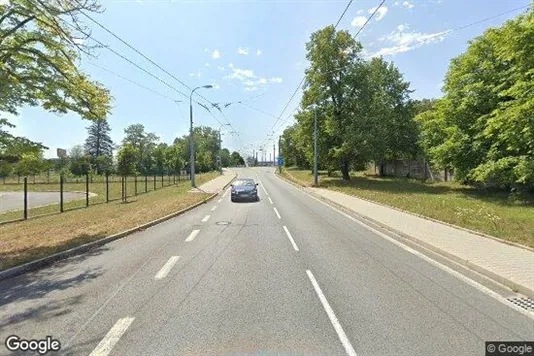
[(382, 169), (345, 170)]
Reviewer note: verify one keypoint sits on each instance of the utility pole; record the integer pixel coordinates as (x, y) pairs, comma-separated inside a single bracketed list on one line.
[(315, 173), (280, 153), (274, 155), (220, 152)]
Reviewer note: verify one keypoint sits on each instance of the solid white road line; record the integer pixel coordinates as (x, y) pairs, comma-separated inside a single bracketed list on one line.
[(164, 271), (225, 193), (112, 337), (192, 235), (270, 200), (332, 316), (437, 264), (291, 239), (262, 187), (213, 209), (206, 218), (277, 213)]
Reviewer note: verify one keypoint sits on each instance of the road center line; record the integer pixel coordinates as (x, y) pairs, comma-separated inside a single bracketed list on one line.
[(332, 316), (206, 218), (262, 187), (277, 213), (164, 271), (213, 209), (270, 200), (192, 235), (291, 239), (112, 337)]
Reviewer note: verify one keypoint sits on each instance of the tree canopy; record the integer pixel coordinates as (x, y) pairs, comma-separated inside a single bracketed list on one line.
[(483, 127)]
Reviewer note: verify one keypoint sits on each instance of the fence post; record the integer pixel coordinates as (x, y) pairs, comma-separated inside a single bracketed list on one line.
[(25, 198), (146, 183), (125, 188), (135, 185), (169, 179), (154, 182), (162, 180), (87, 190), (107, 187), (122, 188), (174, 178), (61, 193)]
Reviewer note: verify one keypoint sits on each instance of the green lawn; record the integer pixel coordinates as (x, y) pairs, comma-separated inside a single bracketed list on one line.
[(493, 213), (98, 187), (28, 240)]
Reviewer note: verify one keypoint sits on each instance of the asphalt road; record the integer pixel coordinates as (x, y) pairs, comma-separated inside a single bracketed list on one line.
[(15, 200), (285, 275)]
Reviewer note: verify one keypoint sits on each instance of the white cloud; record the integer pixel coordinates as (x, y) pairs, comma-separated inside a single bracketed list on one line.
[(230, 65), (199, 74), (192, 74), (216, 54), (262, 81), (251, 89), (276, 80), (358, 21), (216, 86), (298, 65), (243, 51), (220, 68), (258, 52), (359, 12), (77, 41), (241, 74), (4, 2), (397, 3), (207, 64), (403, 41), (380, 13), (406, 4)]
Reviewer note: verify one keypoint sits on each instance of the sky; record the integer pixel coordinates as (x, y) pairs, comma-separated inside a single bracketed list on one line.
[(251, 51)]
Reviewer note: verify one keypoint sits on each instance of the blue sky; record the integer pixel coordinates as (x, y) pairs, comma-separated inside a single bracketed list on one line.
[(251, 50)]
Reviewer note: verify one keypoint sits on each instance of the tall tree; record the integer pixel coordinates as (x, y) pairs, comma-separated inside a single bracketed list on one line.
[(144, 142), (483, 126), (40, 43), (99, 143)]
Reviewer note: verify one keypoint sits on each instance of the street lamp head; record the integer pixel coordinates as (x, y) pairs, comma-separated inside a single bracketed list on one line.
[(209, 86)]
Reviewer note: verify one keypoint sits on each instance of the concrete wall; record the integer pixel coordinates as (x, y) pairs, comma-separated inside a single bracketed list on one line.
[(418, 169)]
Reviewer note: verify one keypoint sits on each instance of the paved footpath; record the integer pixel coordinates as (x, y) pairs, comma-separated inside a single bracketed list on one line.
[(491, 257), (215, 185)]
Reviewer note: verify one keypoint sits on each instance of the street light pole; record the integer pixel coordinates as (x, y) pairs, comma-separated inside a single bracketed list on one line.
[(191, 143), (315, 173)]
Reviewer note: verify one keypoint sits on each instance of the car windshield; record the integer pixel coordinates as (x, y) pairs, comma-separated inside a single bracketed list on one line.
[(244, 183)]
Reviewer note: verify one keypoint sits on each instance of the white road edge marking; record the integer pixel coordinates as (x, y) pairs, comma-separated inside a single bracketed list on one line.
[(206, 218), (112, 337), (447, 269), (213, 209), (291, 239), (220, 200), (270, 200), (225, 193), (164, 271), (277, 213), (192, 235), (332, 316)]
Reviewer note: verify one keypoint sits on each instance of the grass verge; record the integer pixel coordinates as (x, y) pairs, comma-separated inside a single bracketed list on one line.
[(98, 187), (29, 240), (492, 213)]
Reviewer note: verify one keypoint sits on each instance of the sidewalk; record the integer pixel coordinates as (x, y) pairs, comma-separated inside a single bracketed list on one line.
[(508, 264), (215, 185)]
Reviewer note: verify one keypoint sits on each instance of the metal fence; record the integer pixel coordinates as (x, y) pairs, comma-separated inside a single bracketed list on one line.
[(25, 197)]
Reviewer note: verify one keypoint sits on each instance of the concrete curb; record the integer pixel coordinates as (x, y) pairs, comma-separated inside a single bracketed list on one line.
[(489, 274), (45, 261)]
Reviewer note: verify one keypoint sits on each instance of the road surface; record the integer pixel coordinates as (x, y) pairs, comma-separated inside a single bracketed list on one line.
[(286, 275), (15, 200)]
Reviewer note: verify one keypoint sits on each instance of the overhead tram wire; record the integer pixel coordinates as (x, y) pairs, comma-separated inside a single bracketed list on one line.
[(147, 58), (131, 81), (304, 77)]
